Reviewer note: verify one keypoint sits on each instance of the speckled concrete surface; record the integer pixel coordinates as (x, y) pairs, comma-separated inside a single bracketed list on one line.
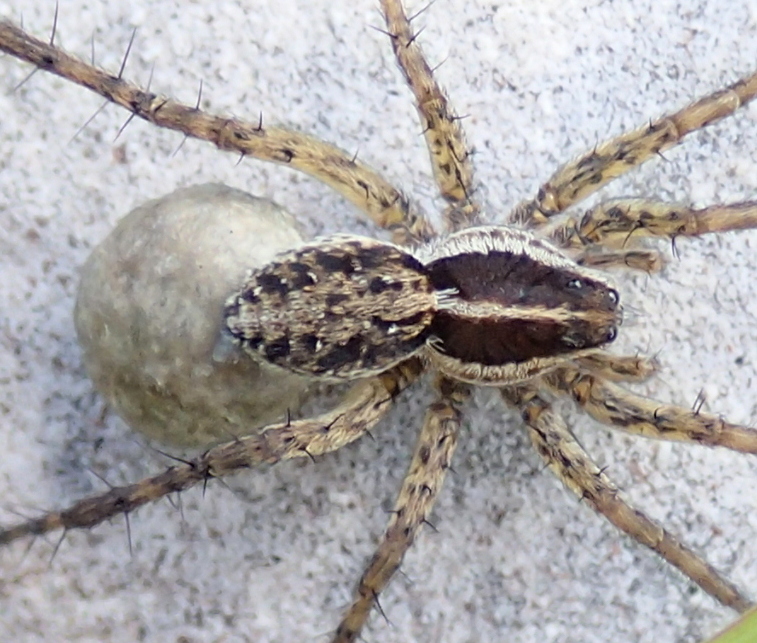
[(275, 557)]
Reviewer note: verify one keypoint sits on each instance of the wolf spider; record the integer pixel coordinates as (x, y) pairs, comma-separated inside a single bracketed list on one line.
[(590, 377)]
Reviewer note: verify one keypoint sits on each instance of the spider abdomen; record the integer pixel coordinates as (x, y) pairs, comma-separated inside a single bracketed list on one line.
[(341, 307)]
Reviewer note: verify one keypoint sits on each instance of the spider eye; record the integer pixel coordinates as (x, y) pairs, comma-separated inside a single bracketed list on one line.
[(572, 341), (612, 333), (613, 296), (574, 284)]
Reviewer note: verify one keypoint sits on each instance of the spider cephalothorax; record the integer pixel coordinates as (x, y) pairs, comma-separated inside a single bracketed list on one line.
[(520, 306)]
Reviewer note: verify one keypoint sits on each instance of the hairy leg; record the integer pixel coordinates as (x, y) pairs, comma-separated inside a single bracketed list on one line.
[(365, 404), (450, 157), (640, 259), (615, 223), (431, 459), (582, 177), (358, 183), (613, 405), (572, 465), (619, 368)]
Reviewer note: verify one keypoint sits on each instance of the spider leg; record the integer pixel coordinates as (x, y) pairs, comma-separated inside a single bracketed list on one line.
[(640, 259), (573, 466), (364, 405), (431, 459), (582, 177), (619, 222), (613, 405), (450, 156), (619, 368), (356, 182)]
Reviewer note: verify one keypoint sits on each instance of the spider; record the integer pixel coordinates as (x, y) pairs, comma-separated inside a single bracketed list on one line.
[(451, 392)]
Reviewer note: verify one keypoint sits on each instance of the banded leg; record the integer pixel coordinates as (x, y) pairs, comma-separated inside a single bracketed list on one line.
[(362, 408), (612, 224), (619, 368), (450, 157), (356, 182), (421, 485), (648, 261), (615, 406), (572, 465), (578, 179)]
